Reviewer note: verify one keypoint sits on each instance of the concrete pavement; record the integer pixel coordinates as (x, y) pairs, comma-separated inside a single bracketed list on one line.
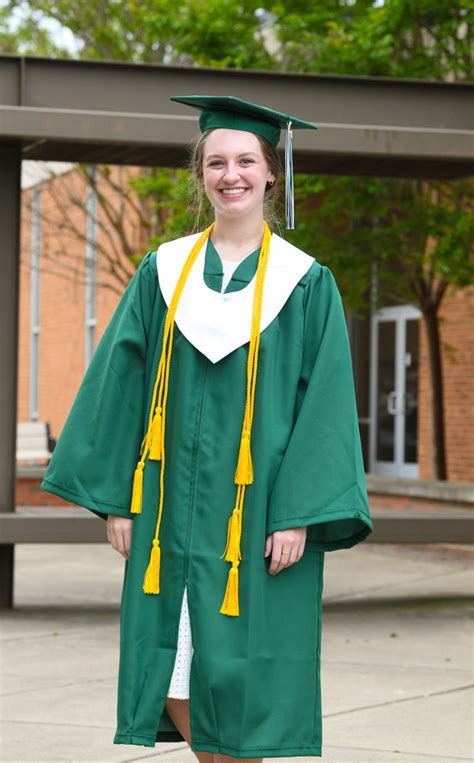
[(397, 667)]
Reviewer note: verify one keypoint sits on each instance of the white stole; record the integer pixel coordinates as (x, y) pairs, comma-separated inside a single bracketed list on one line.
[(218, 323)]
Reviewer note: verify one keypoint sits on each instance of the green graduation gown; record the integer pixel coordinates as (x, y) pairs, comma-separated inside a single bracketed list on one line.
[(255, 678)]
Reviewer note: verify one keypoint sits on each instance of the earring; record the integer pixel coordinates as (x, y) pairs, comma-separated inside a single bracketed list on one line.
[(271, 182)]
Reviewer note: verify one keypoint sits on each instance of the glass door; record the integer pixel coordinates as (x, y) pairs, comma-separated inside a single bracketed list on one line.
[(394, 391)]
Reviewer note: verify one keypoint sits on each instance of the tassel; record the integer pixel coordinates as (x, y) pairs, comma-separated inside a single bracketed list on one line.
[(155, 447), (151, 582), (244, 470), (289, 180), (230, 604), (136, 505), (232, 550)]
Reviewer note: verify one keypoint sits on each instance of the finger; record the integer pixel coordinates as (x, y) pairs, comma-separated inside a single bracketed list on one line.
[(128, 542), (111, 535), (116, 539), (282, 560), (268, 545), (286, 556), (123, 542), (293, 557), (276, 556)]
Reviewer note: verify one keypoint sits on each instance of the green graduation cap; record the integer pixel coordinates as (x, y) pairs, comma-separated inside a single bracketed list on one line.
[(238, 114)]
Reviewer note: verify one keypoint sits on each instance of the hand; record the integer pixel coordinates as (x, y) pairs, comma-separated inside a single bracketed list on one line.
[(286, 547), (119, 534)]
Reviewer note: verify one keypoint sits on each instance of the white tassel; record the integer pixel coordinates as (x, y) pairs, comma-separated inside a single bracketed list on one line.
[(289, 182)]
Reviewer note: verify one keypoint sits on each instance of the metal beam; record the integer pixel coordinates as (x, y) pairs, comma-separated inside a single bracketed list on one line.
[(10, 173), (120, 113), (52, 525), (77, 525)]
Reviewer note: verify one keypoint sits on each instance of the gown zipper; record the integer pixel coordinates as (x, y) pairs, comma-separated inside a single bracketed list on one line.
[(193, 477)]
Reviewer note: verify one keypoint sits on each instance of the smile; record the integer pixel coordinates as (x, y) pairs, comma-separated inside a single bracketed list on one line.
[(233, 191)]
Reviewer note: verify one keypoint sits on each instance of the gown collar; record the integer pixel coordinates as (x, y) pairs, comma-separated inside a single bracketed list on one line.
[(242, 275), (218, 323)]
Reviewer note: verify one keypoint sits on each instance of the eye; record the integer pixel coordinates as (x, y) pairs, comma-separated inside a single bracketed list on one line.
[(248, 160), (213, 164)]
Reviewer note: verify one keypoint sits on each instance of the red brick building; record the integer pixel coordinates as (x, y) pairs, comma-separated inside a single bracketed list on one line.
[(68, 293)]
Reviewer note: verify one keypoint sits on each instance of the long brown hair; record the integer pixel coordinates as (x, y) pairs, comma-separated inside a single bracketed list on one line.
[(200, 206)]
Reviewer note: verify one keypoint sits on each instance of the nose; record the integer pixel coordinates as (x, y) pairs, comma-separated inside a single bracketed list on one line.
[(231, 173)]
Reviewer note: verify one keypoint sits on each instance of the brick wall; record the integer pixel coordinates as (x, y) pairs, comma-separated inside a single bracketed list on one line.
[(457, 337), (30, 494), (62, 302)]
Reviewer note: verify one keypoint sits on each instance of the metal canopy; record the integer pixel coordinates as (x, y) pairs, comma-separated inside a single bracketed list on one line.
[(120, 113)]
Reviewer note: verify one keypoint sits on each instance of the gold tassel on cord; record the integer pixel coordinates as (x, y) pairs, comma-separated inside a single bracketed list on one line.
[(136, 505), (155, 447), (153, 443), (234, 529), (151, 583), (244, 470), (154, 440), (230, 605)]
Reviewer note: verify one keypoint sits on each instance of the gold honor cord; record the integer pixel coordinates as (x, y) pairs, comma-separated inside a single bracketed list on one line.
[(153, 444)]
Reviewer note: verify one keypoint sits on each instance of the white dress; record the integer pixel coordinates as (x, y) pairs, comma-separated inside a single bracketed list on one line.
[(179, 684)]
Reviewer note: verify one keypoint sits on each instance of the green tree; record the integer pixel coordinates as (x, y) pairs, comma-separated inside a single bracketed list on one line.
[(422, 229), (395, 38), (417, 236)]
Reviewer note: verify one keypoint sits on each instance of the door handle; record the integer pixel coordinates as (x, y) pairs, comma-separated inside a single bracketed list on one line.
[(392, 404)]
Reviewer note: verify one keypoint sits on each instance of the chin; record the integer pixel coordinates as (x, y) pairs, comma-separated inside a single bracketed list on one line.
[(237, 211), (227, 212)]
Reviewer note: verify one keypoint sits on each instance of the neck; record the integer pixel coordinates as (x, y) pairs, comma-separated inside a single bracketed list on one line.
[(240, 234)]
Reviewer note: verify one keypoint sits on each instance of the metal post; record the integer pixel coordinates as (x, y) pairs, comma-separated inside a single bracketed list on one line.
[(10, 201)]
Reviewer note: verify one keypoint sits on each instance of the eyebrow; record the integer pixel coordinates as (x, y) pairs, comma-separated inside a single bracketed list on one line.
[(245, 153)]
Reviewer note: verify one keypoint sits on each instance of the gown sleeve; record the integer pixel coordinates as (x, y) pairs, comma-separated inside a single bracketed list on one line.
[(320, 482), (96, 453)]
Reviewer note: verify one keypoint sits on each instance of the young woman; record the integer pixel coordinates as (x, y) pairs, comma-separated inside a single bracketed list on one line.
[(216, 430)]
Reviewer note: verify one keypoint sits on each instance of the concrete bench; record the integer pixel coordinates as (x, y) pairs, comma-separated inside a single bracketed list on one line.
[(34, 441), (78, 525)]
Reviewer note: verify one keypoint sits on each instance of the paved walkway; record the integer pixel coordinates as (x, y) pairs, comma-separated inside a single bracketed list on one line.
[(396, 657)]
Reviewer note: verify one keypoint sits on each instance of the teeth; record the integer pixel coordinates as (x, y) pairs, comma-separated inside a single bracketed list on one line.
[(233, 190)]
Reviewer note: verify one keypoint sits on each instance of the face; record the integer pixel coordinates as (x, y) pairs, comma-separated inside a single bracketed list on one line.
[(235, 172)]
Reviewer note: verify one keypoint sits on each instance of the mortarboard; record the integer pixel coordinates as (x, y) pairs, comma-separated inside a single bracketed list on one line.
[(239, 114)]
